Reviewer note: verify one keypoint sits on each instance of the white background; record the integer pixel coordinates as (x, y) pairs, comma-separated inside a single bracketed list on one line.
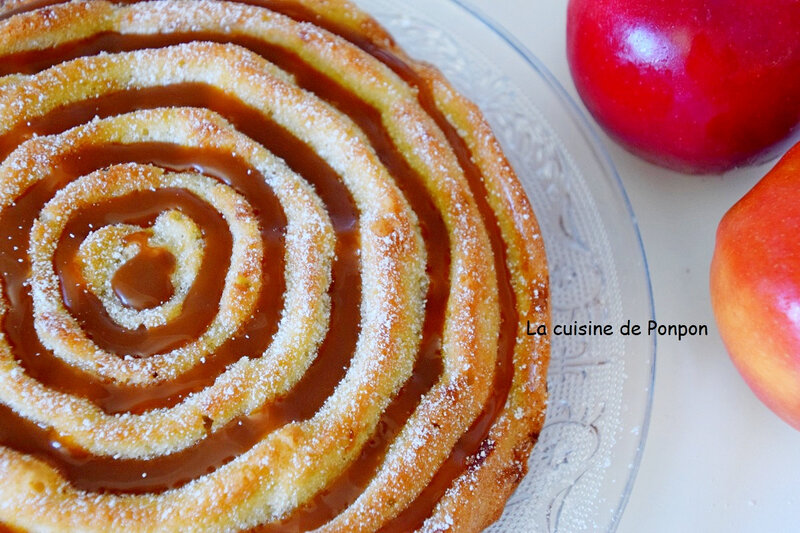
[(716, 460)]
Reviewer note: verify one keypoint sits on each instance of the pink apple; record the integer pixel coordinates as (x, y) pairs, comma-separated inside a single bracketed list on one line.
[(695, 85), (755, 287)]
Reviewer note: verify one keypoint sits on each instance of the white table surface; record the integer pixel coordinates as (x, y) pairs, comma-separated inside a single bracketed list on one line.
[(716, 459)]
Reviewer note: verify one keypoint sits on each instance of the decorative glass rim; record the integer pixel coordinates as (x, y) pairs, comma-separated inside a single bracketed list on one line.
[(593, 139), (601, 157)]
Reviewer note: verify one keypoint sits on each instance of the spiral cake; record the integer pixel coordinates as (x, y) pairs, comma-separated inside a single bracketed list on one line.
[(260, 271)]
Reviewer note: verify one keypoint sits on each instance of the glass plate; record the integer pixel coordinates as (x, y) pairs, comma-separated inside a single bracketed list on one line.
[(583, 467)]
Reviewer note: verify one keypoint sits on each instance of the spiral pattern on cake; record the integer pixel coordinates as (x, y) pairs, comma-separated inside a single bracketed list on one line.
[(260, 271)]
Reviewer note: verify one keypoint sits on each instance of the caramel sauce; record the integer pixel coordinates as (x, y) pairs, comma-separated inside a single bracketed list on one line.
[(468, 447), (200, 304), (104, 474), (331, 501), (305, 399), (141, 209), (4, 528), (144, 281)]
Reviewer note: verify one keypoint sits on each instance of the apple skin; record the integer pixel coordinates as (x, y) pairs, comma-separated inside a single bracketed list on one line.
[(694, 85), (755, 287)]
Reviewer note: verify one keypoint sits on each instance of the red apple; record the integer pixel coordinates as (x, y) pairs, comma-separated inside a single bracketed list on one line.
[(755, 287), (694, 85)]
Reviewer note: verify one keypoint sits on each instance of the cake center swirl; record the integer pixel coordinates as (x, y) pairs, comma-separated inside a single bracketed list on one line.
[(142, 275), (143, 282)]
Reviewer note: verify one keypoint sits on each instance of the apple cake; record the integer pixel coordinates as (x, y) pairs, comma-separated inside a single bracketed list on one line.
[(260, 271)]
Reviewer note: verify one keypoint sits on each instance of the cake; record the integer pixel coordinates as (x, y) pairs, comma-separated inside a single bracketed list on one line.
[(261, 271)]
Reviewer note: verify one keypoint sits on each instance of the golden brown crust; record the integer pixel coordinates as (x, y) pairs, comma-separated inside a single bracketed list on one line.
[(293, 463), (518, 426)]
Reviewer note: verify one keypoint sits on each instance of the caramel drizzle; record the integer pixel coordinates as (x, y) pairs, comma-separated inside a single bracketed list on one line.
[(145, 280), (138, 209), (96, 473), (331, 502), (5, 528), (253, 339)]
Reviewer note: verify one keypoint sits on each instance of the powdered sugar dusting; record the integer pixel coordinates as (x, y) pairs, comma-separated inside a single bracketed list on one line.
[(294, 462)]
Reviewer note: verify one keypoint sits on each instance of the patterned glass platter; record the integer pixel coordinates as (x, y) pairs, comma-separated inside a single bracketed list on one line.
[(584, 465)]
